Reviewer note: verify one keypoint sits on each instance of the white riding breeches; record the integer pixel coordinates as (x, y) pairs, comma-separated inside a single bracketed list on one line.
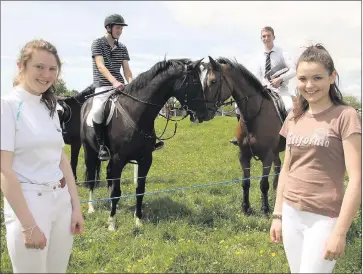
[(99, 104), (287, 99), (51, 208)]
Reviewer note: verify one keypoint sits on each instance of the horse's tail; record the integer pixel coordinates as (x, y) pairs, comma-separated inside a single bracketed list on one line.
[(98, 171)]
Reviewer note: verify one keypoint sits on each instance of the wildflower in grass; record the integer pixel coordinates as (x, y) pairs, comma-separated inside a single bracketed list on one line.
[(261, 251), (273, 254), (139, 261), (238, 252)]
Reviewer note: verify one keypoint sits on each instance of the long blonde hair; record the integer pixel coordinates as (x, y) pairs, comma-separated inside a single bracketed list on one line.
[(48, 97)]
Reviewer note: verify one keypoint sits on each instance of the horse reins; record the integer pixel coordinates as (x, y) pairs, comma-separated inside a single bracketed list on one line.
[(243, 118)]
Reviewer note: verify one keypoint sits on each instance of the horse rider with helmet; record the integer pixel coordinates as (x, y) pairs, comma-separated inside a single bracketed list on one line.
[(108, 56)]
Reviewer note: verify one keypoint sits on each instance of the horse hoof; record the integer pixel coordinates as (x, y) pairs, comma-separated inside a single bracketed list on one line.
[(265, 209), (111, 224), (247, 211), (111, 228), (138, 222), (91, 209)]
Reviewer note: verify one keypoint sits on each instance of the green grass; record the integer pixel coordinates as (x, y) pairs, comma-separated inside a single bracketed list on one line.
[(194, 230)]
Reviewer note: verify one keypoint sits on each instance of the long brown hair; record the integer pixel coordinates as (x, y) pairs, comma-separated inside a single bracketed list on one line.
[(48, 97), (318, 53)]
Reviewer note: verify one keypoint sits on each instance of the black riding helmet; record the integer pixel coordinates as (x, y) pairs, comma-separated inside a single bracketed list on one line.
[(114, 19)]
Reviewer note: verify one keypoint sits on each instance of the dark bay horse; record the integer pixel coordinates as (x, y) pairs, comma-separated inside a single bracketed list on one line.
[(130, 132), (259, 126), (69, 115)]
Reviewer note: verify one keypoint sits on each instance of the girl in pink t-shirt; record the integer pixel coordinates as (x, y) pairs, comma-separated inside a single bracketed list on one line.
[(312, 211)]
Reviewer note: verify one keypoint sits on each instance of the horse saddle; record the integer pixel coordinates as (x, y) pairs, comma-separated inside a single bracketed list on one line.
[(278, 103)]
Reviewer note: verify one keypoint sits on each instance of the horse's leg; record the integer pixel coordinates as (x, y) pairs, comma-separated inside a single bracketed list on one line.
[(75, 147), (109, 177), (264, 183), (144, 167), (277, 168), (245, 161), (90, 159), (114, 170)]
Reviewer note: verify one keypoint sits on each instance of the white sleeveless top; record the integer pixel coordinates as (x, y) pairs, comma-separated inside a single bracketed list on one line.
[(35, 138)]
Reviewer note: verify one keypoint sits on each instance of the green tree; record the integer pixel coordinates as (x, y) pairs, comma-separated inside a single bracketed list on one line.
[(352, 101), (60, 87)]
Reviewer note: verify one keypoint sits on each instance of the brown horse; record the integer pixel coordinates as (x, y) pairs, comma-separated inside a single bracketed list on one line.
[(258, 129)]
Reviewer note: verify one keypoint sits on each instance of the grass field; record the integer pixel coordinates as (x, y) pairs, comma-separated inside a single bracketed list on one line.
[(194, 230)]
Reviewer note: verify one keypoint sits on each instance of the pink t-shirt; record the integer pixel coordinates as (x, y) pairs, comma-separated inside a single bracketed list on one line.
[(315, 180)]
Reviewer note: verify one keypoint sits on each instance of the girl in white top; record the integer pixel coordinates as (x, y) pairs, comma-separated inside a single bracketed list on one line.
[(41, 206)]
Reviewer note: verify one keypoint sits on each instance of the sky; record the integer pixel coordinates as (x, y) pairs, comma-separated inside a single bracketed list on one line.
[(189, 29)]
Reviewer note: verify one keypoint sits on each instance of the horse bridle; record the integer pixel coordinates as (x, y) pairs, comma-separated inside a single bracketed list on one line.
[(243, 118), (219, 103), (188, 76), (184, 106)]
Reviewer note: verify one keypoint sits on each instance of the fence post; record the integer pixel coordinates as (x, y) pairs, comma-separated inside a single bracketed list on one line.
[(136, 171)]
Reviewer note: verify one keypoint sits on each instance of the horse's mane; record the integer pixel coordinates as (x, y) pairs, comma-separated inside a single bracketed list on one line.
[(249, 76), (143, 79), (80, 96)]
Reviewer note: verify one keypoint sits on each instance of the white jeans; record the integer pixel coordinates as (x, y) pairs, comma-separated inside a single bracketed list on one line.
[(98, 103), (52, 210), (304, 237)]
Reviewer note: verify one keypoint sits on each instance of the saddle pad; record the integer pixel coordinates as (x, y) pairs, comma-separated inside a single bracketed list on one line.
[(278, 103), (110, 114)]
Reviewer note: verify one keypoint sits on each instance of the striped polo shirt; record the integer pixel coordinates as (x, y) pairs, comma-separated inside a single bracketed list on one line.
[(112, 58)]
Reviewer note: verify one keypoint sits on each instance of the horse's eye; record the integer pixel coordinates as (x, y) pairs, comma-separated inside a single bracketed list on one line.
[(213, 81)]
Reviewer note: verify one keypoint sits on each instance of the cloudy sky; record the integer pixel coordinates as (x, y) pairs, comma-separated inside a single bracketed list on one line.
[(182, 29)]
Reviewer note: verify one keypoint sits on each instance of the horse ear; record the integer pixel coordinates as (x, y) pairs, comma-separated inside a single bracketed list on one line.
[(199, 62), (194, 64), (214, 64)]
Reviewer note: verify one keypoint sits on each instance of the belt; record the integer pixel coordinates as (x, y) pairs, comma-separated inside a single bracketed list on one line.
[(44, 187)]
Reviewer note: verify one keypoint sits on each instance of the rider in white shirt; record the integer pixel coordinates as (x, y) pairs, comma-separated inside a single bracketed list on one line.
[(279, 60)]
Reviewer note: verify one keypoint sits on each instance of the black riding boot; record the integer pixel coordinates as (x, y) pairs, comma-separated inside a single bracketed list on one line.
[(104, 153)]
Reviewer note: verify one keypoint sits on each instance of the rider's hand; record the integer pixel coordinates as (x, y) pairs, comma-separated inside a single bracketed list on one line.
[(34, 237), (276, 82), (117, 84)]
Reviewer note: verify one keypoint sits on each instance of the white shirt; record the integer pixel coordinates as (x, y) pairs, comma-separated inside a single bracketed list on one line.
[(35, 138), (278, 58)]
